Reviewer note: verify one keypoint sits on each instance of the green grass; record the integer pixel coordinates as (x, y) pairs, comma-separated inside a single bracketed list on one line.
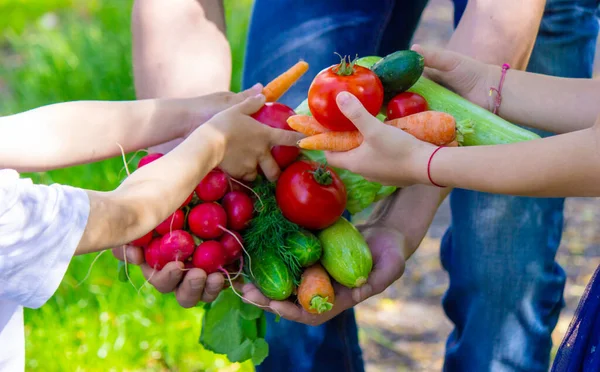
[(102, 324)]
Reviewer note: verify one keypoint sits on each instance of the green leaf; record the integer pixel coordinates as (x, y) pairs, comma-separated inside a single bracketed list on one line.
[(260, 351), (222, 329), (261, 324), (242, 352), (249, 329), (250, 312)]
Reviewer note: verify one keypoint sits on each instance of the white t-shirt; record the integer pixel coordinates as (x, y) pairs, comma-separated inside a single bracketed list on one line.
[(40, 227)]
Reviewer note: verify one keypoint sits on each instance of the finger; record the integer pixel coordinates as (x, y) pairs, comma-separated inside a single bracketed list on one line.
[(290, 311), (250, 92), (249, 177), (135, 255), (190, 291), (269, 166), (342, 159), (282, 137), (165, 280), (438, 58), (356, 113), (253, 295), (214, 285), (250, 105)]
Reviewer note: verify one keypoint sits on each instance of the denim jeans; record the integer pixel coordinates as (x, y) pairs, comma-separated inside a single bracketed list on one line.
[(505, 290)]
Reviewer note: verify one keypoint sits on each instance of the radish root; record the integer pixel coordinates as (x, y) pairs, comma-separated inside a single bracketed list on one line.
[(90, 269), (242, 297), (254, 192), (241, 245), (147, 281)]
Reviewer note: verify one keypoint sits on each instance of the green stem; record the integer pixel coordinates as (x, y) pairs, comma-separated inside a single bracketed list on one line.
[(323, 176), (345, 68), (320, 304)]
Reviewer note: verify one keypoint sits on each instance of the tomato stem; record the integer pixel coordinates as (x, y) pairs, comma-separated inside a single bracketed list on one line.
[(322, 176), (345, 68)]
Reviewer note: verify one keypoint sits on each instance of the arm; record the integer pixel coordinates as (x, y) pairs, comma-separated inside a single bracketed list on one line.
[(65, 134), (498, 32)]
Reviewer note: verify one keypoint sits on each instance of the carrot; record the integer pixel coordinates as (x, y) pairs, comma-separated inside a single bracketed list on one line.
[(435, 127), (306, 124), (278, 86), (332, 141), (315, 292)]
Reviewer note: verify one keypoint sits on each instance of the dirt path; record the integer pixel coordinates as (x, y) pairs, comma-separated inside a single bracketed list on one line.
[(405, 327)]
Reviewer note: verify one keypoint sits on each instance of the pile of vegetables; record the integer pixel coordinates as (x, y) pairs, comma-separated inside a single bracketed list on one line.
[(289, 237)]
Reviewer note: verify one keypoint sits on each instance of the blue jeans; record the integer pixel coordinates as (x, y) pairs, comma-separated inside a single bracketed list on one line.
[(505, 290)]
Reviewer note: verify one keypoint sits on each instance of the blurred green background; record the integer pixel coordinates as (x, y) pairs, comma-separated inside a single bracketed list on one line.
[(62, 50)]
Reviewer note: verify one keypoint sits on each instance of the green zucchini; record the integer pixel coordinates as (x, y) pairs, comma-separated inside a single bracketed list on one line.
[(399, 71), (304, 246), (272, 276), (346, 255), (368, 61), (485, 128)]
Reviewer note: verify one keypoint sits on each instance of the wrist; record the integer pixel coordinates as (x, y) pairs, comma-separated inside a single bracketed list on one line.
[(418, 161)]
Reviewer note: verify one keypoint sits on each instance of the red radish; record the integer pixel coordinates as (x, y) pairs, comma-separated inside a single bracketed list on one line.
[(173, 222), (213, 186), (231, 246), (149, 159), (143, 241), (188, 200), (239, 209), (152, 255), (177, 245), (206, 220), (209, 256), (275, 115)]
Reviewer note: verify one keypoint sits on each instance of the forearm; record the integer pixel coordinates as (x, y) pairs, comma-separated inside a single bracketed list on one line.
[(498, 32), (550, 103), (180, 48), (66, 134), (147, 197), (559, 166)]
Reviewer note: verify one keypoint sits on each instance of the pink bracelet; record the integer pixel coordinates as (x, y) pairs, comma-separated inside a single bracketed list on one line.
[(429, 167), (498, 90)]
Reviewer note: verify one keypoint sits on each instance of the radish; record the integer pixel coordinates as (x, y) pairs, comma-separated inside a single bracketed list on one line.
[(173, 222), (207, 220), (232, 246), (239, 209), (149, 159), (275, 115), (177, 245), (143, 241), (188, 200), (209, 256), (152, 255), (213, 186)]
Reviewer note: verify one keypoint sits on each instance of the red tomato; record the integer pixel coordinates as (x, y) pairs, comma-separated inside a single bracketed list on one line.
[(311, 195), (360, 81), (405, 104), (275, 115)]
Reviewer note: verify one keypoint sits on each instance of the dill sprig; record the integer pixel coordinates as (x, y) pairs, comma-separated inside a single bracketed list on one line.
[(268, 229)]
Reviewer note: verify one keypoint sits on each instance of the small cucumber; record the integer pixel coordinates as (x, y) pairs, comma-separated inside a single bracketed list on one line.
[(272, 276), (346, 255), (304, 246), (399, 71)]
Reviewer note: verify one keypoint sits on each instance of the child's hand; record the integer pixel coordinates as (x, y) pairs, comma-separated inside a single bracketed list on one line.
[(387, 155), (463, 75), (247, 142)]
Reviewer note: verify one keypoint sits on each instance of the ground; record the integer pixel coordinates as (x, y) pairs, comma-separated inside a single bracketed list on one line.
[(405, 327)]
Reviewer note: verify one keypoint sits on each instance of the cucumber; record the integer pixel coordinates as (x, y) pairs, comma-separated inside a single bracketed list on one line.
[(304, 246), (399, 71), (485, 128), (346, 255), (272, 276)]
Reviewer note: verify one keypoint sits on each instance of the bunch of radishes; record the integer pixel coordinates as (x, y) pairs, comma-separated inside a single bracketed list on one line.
[(203, 233)]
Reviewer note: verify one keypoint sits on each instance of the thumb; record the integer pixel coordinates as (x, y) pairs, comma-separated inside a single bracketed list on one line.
[(250, 92), (437, 58), (353, 109), (250, 105), (284, 137)]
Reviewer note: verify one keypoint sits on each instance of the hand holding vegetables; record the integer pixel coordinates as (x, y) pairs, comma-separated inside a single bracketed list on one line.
[(387, 155)]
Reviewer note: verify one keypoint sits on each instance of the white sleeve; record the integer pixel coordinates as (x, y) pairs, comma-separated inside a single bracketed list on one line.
[(40, 228)]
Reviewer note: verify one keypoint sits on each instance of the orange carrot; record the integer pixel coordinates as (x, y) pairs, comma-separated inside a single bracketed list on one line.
[(315, 292), (332, 141), (276, 88), (435, 127), (306, 124)]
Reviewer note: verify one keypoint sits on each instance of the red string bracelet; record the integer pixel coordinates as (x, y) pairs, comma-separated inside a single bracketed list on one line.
[(429, 167), (498, 90)]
